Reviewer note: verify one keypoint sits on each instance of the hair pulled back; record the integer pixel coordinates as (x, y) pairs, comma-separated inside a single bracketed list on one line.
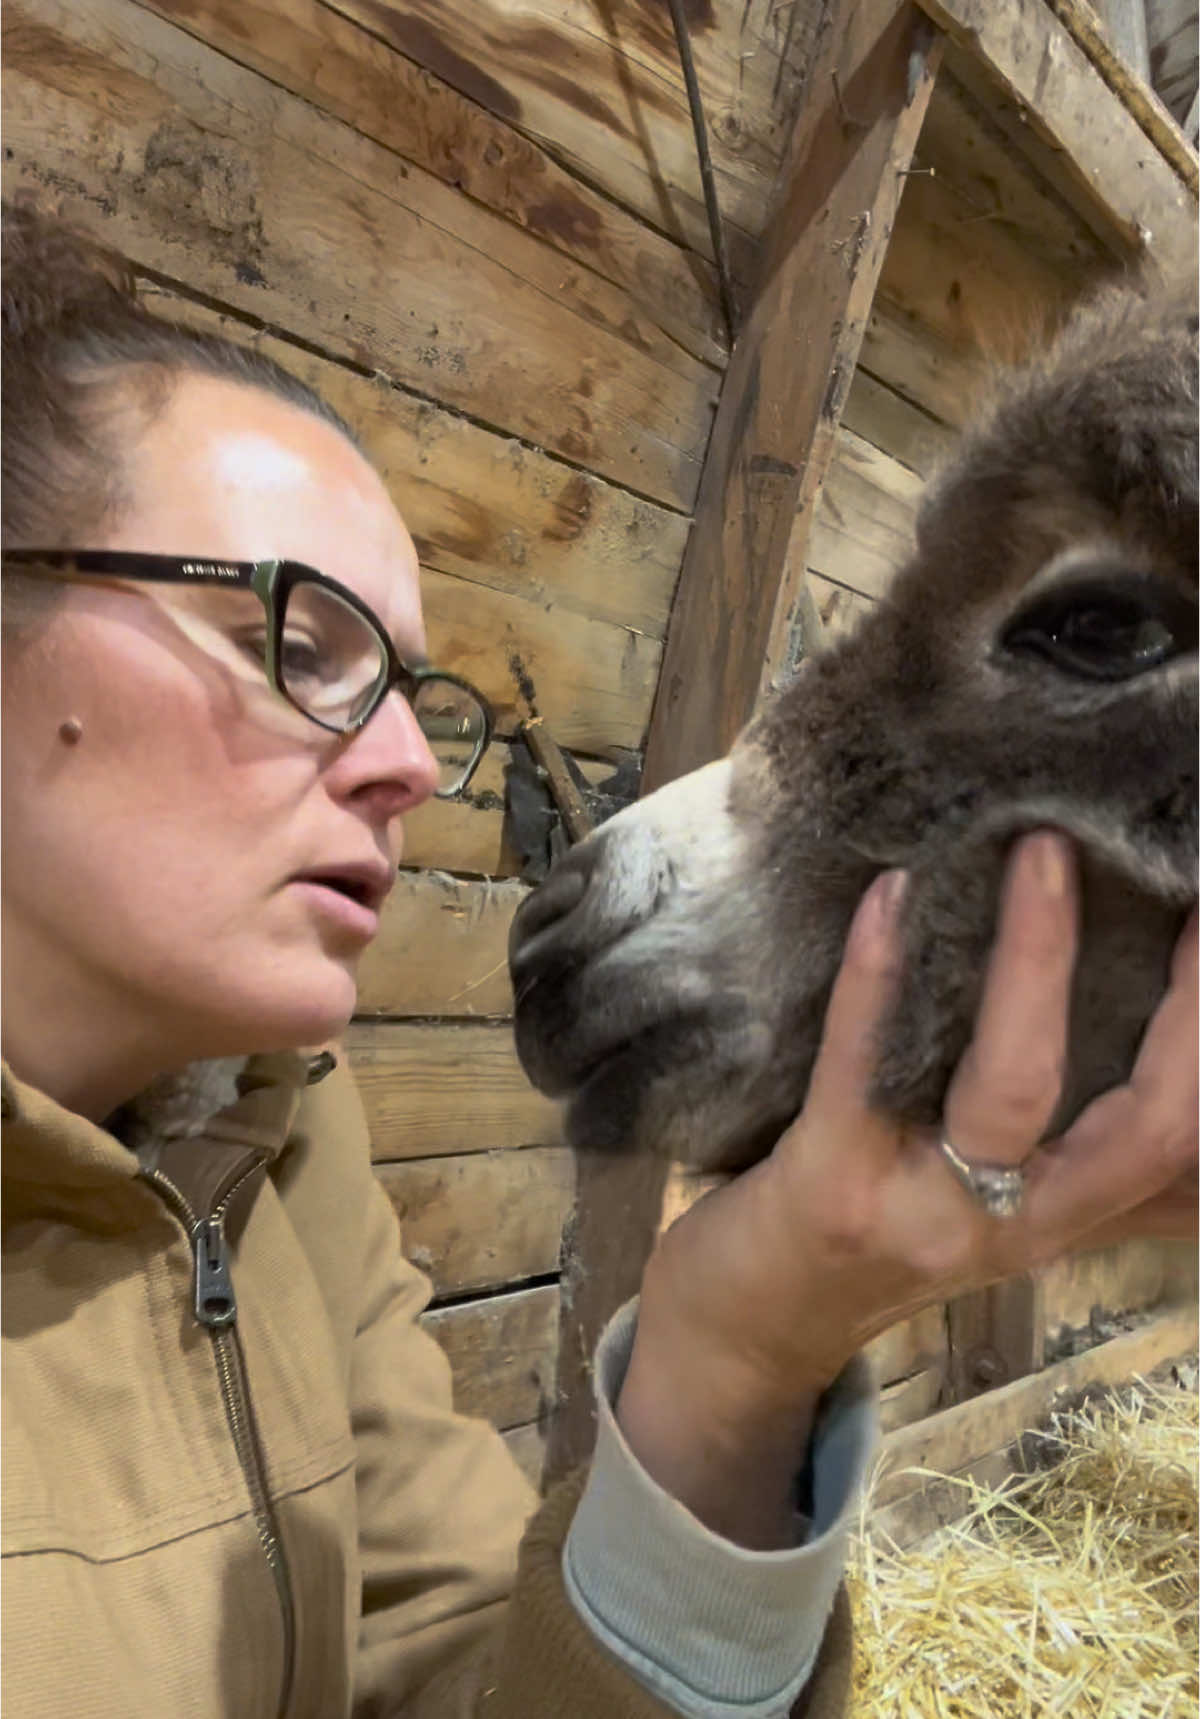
[(86, 366)]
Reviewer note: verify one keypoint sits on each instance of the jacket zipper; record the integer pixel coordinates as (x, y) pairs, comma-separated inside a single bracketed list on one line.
[(215, 1307)]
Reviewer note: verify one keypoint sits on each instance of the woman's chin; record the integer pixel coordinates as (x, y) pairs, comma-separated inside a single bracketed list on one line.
[(307, 1009)]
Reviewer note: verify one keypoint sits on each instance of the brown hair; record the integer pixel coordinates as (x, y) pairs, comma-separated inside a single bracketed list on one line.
[(86, 367)]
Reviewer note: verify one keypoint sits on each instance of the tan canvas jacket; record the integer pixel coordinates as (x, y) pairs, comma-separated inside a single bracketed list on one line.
[(233, 1482)]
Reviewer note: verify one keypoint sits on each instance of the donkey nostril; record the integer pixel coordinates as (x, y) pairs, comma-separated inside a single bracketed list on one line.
[(562, 891)]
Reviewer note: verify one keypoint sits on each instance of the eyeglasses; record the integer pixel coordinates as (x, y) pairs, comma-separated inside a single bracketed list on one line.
[(323, 649)]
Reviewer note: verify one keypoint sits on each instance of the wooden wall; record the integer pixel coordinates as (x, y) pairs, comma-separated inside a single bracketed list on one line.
[(478, 230)]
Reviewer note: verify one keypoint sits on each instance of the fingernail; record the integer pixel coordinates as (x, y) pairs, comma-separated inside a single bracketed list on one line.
[(1050, 862), (882, 903)]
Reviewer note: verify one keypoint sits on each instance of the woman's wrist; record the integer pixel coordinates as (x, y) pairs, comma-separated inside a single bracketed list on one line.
[(714, 1435)]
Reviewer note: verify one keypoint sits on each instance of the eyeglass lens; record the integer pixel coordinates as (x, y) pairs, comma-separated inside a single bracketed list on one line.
[(332, 664)]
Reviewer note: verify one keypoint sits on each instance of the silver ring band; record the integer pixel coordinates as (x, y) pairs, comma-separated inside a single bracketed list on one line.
[(998, 1188)]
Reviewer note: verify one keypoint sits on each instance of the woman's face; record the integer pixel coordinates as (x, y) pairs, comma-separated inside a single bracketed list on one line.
[(160, 870)]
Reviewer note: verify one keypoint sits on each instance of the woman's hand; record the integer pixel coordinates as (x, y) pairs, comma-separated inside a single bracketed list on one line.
[(755, 1299)]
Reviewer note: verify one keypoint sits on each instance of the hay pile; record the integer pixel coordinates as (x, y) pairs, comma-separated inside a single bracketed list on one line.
[(1071, 1591)]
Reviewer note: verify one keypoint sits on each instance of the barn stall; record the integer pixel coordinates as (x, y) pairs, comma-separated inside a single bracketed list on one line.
[(482, 232)]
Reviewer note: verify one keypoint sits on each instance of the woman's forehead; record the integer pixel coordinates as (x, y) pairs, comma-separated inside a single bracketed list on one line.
[(229, 470)]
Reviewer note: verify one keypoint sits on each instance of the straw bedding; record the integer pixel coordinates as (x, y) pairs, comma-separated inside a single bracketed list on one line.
[(1071, 1590)]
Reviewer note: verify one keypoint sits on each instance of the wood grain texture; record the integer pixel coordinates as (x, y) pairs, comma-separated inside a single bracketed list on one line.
[(1134, 1274), (485, 507), (971, 287), (915, 364), (527, 1447), (442, 949), (910, 1399), (1120, 53), (484, 1219), (602, 88), (1173, 32), (207, 173), (998, 186), (470, 835), (783, 395), (894, 425), (348, 71), (863, 528), (434, 1088), (501, 1351), (839, 609), (593, 682), (1053, 106), (996, 1335), (947, 1441)]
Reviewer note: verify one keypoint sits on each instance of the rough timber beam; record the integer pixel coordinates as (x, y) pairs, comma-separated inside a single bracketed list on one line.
[(1079, 132), (789, 373)]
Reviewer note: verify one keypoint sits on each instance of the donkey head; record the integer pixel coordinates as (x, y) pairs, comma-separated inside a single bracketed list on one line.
[(1035, 664)]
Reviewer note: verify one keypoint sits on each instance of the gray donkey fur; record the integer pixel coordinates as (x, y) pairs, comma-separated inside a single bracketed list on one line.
[(1034, 665)]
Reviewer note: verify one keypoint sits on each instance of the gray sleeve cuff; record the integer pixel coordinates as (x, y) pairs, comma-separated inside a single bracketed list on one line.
[(712, 1629)]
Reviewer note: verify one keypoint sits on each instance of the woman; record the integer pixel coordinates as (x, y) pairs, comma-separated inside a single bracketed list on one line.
[(234, 1483)]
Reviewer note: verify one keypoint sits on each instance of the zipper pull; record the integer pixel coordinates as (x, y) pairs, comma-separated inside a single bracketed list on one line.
[(215, 1302)]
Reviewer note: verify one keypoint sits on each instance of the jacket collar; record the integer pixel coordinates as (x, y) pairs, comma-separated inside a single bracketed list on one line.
[(191, 1124)]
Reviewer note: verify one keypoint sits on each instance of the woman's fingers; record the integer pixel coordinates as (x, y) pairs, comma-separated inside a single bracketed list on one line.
[(841, 1078), (1005, 1090), (1138, 1139)]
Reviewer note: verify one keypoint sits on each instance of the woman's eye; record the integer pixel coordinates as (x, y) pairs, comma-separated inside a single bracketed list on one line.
[(300, 657), (1105, 633)]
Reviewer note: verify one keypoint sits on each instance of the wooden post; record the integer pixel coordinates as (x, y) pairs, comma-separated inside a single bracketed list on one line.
[(612, 1227), (788, 375), (996, 1335)]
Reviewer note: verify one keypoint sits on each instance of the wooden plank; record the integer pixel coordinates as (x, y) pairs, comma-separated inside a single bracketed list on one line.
[(594, 683), (863, 529), (501, 1352), (971, 286), (893, 424), (1055, 107), (946, 1442), (1134, 1274), (353, 74), (471, 834), (206, 173), (434, 1088), (1120, 53), (938, 1502), (996, 185), (527, 1446), (611, 1231), (485, 507), (602, 89), (910, 1347), (839, 609), (1174, 38), (910, 1399), (783, 394), (996, 1335), (1124, 23), (442, 949), (484, 1219), (942, 382)]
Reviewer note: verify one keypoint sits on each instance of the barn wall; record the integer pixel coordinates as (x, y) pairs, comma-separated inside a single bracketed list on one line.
[(478, 230)]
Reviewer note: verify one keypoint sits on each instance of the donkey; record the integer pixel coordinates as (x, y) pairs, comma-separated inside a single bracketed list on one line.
[(1035, 664)]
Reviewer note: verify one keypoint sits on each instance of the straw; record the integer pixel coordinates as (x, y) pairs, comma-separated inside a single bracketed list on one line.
[(1071, 1591)]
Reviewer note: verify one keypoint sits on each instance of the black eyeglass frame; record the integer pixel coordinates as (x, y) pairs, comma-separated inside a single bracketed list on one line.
[(272, 582)]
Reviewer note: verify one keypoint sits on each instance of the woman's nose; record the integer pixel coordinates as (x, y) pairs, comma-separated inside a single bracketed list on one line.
[(389, 759)]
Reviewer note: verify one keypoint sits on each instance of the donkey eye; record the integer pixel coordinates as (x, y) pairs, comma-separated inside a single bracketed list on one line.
[(1106, 631)]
